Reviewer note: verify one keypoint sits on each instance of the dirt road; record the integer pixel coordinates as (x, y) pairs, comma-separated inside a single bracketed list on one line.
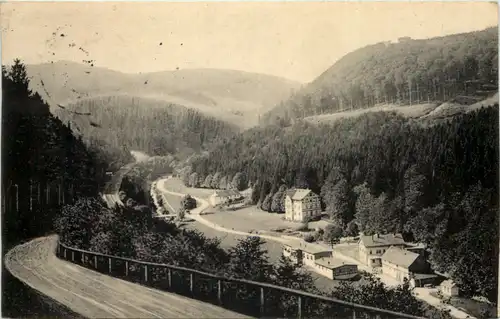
[(95, 295)]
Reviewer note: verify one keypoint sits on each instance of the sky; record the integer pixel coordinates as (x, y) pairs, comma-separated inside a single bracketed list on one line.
[(295, 40)]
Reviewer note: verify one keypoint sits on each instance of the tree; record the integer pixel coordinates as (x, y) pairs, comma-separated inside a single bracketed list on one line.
[(414, 187), (249, 260), (238, 182), (352, 229), (194, 180), (208, 181), (289, 275), (255, 193), (364, 203), (215, 183), (374, 293), (266, 204), (223, 182), (332, 234), (278, 200), (188, 202)]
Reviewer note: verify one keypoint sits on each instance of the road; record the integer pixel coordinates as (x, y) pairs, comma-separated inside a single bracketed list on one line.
[(95, 295), (203, 204), (421, 293)]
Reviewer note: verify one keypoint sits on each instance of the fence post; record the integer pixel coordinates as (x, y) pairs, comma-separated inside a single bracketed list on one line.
[(219, 291), (59, 249), (191, 282), (95, 261), (353, 313), (65, 250), (169, 277), (126, 268), (299, 307), (109, 265), (145, 273), (72, 256), (261, 301), (83, 258)]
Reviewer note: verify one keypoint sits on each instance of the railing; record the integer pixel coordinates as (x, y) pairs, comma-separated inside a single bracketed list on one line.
[(247, 297)]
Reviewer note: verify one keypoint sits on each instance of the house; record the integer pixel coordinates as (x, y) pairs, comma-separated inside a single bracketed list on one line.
[(293, 253), (224, 196), (305, 254), (335, 269), (400, 263), (448, 288), (371, 248), (301, 204)]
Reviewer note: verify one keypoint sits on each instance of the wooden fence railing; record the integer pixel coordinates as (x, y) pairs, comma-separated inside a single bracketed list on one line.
[(247, 297)]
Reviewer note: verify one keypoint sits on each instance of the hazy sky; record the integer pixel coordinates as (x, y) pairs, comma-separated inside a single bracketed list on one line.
[(296, 40)]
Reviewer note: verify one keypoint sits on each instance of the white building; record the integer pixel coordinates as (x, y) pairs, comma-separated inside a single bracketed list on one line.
[(371, 248), (402, 264), (335, 269), (448, 288), (224, 196), (301, 204)]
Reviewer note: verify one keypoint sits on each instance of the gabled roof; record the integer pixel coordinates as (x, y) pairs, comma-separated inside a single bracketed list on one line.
[(298, 193), (332, 263), (400, 257), (227, 193), (382, 240)]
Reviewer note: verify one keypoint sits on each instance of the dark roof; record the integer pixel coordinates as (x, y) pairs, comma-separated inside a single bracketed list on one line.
[(382, 240), (400, 257), (424, 276)]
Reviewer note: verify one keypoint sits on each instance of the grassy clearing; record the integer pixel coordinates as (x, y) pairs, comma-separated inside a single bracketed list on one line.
[(176, 185)]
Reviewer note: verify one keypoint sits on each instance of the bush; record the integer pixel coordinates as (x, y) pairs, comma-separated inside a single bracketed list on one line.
[(302, 227), (309, 238)]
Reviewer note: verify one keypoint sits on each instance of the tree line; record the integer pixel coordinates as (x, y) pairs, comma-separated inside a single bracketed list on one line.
[(435, 182), (43, 164), (132, 232), (124, 123), (406, 72)]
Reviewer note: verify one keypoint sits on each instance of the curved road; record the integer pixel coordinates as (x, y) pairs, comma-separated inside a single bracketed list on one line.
[(422, 293), (95, 295)]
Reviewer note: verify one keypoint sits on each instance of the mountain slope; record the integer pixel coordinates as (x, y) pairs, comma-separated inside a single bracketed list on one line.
[(155, 127), (226, 94), (405, 73)]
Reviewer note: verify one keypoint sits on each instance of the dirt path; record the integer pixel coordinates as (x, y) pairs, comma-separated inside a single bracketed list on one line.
[(95, 295)]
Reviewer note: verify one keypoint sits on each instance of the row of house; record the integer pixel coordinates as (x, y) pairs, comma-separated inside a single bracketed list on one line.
[(401, 260), (320, 261)]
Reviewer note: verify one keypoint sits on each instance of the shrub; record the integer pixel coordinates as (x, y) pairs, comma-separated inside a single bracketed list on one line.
[(309, 238)]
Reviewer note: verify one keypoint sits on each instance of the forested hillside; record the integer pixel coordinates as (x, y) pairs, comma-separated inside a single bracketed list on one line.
[(233, 96), (43, 164), (152, 126), (436, 182), (406, 72)]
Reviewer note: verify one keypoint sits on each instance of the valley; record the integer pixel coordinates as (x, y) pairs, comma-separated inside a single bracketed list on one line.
[(175, 177)]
